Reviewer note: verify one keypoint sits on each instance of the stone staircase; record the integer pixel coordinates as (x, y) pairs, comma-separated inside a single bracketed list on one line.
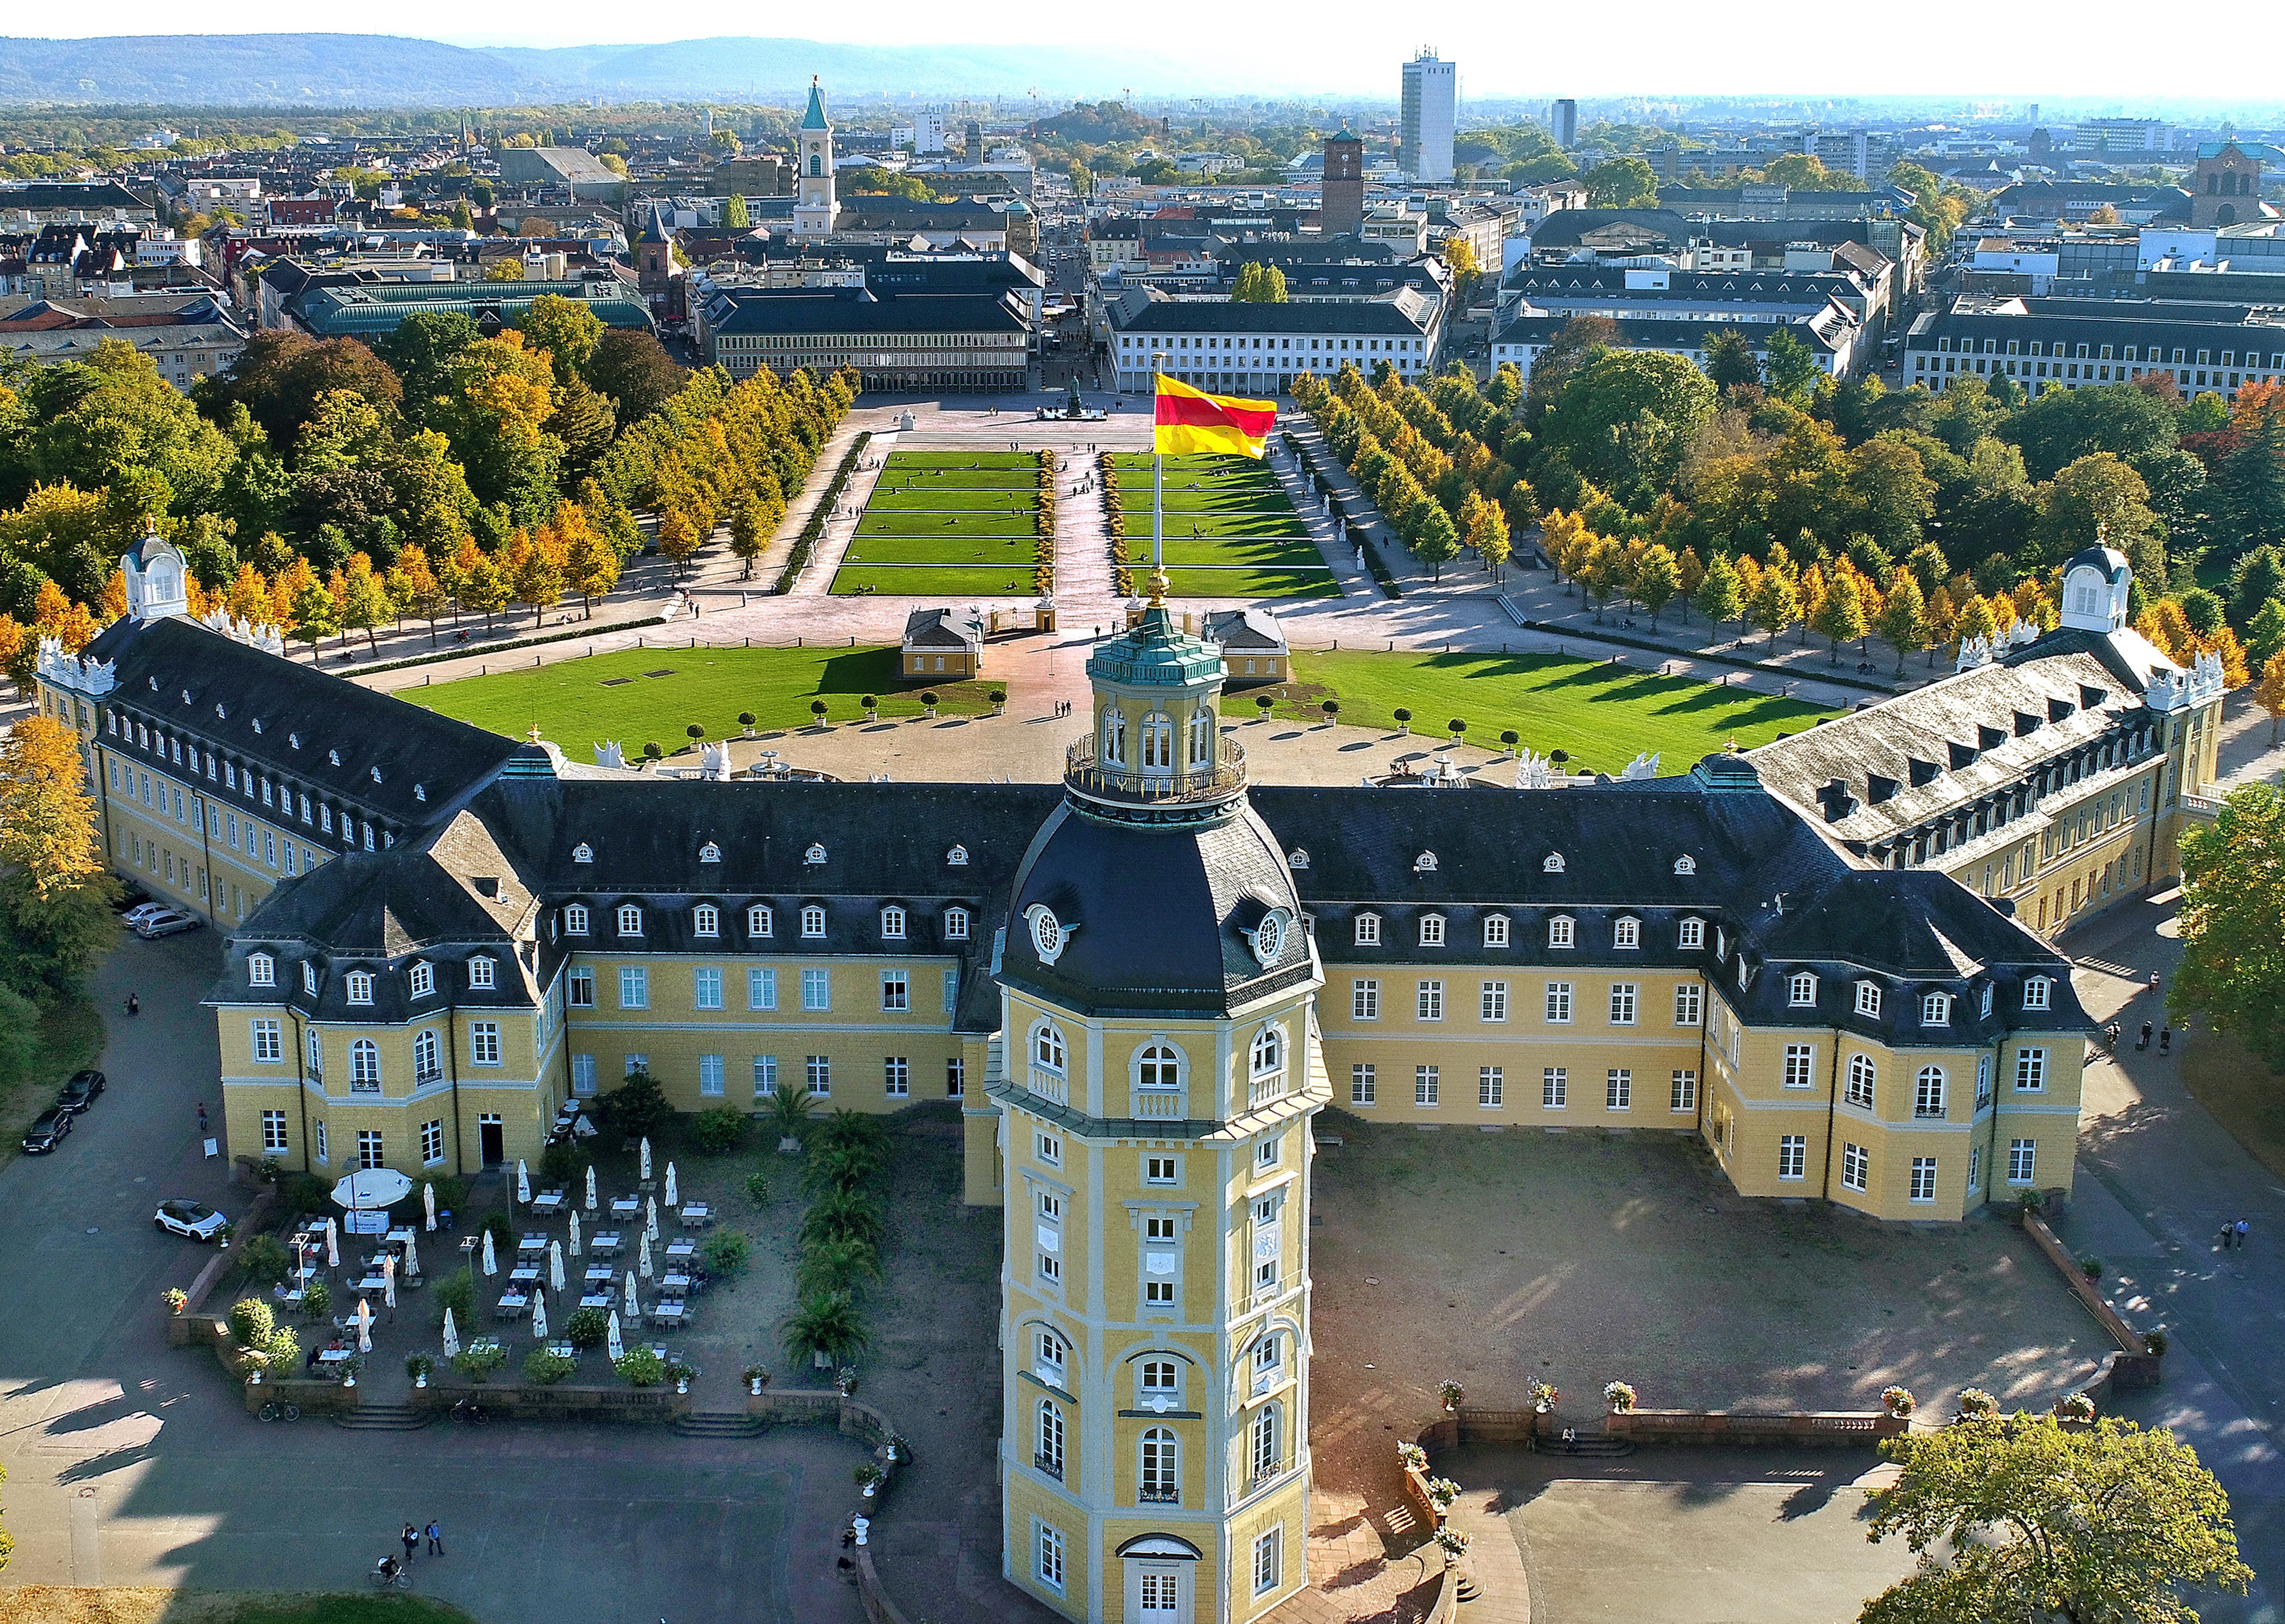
[(381, 1418), (721, 1423), (1588, 1447)]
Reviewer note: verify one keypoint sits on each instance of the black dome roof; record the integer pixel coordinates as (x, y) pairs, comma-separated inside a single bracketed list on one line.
[(1155, 918)]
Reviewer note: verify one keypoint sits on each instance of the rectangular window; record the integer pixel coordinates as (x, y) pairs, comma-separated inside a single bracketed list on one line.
[(273, 1130), (1799, 1061), (1360, 1085), (1425, 1084), (1627, 933), (816, 990), (1431, 930), (897, 1077), (1619, 1089), (1489, 1086), (637, 1063), (1161, 1170), (432, 1142), (269, 1047), (2022, 1155), (1051, 1557), (765, 1076), (635, 986), (1365, 1000), (1684, 1094), (2030, 1070), (761, 989), (1854, 1162), (1496, 930), (955, 1077), (1493, 1005), (484, 1042), (369, 1151), (1974, 1167), (1687, 1003), (1555, 1087), (1367, 930), (1558, 1002), (321, 1132), (1923, 1178), (951, 992), (710, 1075), (706, 987), (1269, 1560), (1429, 1003), (896, 990), (1622, 1003), (1868, 998), (1793, 1156), (819, 1068), (582, 989), (582, 1075)]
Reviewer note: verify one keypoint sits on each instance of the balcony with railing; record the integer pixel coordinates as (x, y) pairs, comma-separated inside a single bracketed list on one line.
[(1052, 1464), (1148, 1495), (1052, 1086), (1087, 772), (1159, 1105)]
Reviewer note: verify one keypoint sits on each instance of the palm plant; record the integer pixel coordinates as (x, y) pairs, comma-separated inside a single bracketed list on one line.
[(825, 1328), (843, 1215), (836, 1267), (836, 1164), (845, 1126), (789, 1114)]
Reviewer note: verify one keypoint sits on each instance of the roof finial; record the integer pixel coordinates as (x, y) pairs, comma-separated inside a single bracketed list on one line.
[(2103, 532), (1160, 587), (534, 734)]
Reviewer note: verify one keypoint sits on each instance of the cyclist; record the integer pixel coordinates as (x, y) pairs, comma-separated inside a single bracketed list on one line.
[(389, 1567)]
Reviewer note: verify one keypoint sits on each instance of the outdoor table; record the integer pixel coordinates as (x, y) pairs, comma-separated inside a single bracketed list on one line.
[(403, 1236), (548, 1202), (696, 1215), (515, 1304), (602, 1273), (293, 1296), (603, 1241), (336, 1355), (373, 1282), (532, 1242), (682, 1249), (668, 1312), (624, 1207), (676, 1281), (596, 1300), (562, 1350), (308, 1271), (523, 1273)]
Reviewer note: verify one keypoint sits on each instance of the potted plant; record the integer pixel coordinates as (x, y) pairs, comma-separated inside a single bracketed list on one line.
[(2154, 1342), (1898, 1401), (927, 705), (817, 711), (587, 1327), (176, 1298), (1451, 1393), (1456, 728), (1333, 710), (999, 698), (1442, 1492), (351, 1368), (1452, 1543), (868, 1477), (1509, 740), (2075, 1407), (2090, 1266), (317, 1299), (1412, 1457), (1977, 1405), (758, 1188), (757, 1377), (1404, 721), (418, 1366), (480, 1359), (1619, 1396), (641, 1367), (544, 1369), (746, 722), (845, 1380), (1544, 1396), (1263, 704), (871, 705)]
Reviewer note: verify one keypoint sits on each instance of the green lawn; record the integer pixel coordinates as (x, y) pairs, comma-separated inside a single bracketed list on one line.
[(1229, 533), (979, 521), (1290, 553), (992, 552), (1181, 525), (940, 582), (1602, 715), (923, 499), (1246, 582), (579, 702), (902, 462)]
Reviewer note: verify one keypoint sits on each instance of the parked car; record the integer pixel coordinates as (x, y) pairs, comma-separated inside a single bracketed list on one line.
[(77, 1095), (133, 918), (49, 1129), (192, 1220), (167, 922)]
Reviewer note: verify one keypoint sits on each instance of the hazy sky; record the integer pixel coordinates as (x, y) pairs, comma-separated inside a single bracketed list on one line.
[(1792, 46)]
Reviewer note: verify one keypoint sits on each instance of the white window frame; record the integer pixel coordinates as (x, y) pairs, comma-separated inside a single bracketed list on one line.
[(1801, 990), (1496, 930), (1562, 931), (2037, 992), (1431, 930), (1923, 1180), (2023, 1160), (2030, 1070), (816, 989), (813, 922), (423, 979), (760, 924), (1625, 1002), (630, 919), (1868, 1000), (1793, 1157), (1364, 999), (1364, 1084), (706, 920), (1689, 1003), (1561, 1004), (635, 986), (1491, 1003), (1428, 1001), (1855, 1167), (483, 1043), (356, 987), (706, 986), (484, 971), (1863, 1082), (1368, 931)]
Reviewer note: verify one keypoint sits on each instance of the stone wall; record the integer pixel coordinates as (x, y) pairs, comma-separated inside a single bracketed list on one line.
[(1807, 1429)]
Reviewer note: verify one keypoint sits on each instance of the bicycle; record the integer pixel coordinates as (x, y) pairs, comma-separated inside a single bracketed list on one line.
[(382, 1579), (469, 1413), (277, 1410)]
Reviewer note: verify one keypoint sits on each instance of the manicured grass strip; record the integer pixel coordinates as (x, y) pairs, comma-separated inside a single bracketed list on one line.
[(908, 500), (1192, 525), (959, 459), (1249, 583), (990, 553), (1604, 715), (1000, 523), (709, 687), (1257, 551), (956, 479), (940, 582)]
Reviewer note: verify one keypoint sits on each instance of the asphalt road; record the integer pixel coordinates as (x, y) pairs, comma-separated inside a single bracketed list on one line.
[(133, 1463)]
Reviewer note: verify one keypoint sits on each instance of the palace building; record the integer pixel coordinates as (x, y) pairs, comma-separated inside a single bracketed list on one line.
[(1142, 984)]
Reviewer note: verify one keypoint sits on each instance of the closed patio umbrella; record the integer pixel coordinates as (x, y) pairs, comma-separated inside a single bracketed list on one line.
[(451, 1336), (365, 1326), (389, 1282), (646, 1158), (643, 1257), (332, 1245), (650, 1223), (674, 1199), (590, 1187), (490, 1258), (428, 1202), (575, 1235), (522, 1183), (412, 1252), (539, 1313), (555, 1265), (634, 1304), (612, 1343)]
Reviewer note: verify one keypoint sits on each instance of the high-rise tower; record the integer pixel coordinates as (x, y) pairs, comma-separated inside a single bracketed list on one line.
[(1340, 208), (814, 210), (1431, 99), (1161, 1070)]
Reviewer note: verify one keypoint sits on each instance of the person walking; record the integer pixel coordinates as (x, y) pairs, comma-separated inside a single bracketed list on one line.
[(2146, 1037), (202, 1116), (2165, 1040), (412, 1540), (2228, 1236), (2240, 1230), (435, 1539), (133, 1004)]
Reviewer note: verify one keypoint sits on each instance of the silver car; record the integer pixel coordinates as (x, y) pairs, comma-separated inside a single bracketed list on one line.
[(166, 922)]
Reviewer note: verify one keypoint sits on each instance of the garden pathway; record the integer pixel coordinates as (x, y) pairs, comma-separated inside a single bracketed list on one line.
[(816, 577)]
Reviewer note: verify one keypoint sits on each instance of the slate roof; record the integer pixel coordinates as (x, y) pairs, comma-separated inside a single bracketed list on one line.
[(1363, 318), (803, 312), (2167, 324), (1825, 331)]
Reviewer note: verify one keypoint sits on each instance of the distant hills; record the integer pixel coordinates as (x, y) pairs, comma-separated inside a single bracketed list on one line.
[(367, 70)]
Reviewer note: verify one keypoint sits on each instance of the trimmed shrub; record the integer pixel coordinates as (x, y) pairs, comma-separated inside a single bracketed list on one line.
[(726, 1252), (251, 1322), (587, 1327), (719, 1131), (641, 1367), (542, 1368)]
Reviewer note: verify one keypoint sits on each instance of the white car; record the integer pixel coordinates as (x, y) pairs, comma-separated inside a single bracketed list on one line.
[(166, 921), (142, 911), (192, 1220)]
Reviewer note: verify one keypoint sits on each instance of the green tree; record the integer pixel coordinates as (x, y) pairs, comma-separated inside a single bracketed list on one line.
[(2264, 634), (1730, 360), (315, 615), (483, 589), (2040, 1523), (2256, 579), (1437, 542), (422, 349), (1776, 604), (1839, 616), (365, 601), (2062, 425), (2250, 486), (2233, 922), (1622, 183), (826, 1328), (638, 1107), (1792, 366), (1627, 418), (1894, 496), (2100, 493), (567, 329), (1806, 172), (1720, 596), (1904, 620), (1657, 577), (735, 216), (1082, 180)]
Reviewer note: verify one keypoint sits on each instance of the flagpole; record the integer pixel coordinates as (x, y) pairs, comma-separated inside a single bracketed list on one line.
[(1157, 497)]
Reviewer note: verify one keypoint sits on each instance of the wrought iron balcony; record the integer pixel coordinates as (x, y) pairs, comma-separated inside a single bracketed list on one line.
[(1148, 1495), (1052, 1464), (1086, 771)]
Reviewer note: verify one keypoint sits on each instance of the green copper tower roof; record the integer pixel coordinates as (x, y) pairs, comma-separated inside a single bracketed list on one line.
[(1155, 653), (814, 119)]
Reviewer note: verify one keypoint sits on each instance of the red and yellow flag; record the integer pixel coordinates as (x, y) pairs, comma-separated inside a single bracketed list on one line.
[(1191, 420)]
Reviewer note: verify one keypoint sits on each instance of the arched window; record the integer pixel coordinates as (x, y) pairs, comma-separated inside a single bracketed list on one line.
[(262, 970), (1268, 1051), (365, 1066), (630, 920), (1114, 736), (426, 1066), (1158, 1067), (1862, 1076), (1157, 742), (1047, 1048), (706, 920), (1162, 1462), (1264, 1442), (574, 919), (1202, 738), (1049, 1455), (1927, 1092), (759, 922), (892, 923), (812, 921), (955, 924), (816, 164), (1800, 989)]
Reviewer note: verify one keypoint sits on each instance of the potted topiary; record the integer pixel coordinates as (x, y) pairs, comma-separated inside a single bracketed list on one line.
[(418, 1366), (1620, 1397), (1977, 1405), (817, 711), (1264, 704), (1509, 740), (1404, 721), (868, 1476), (317, 1299), (1333, 710), (746, 722), (1451, 1393), (1457, 728), (694, 732), (176, 1298), (871, 705), (652, 751), (1898, 1401), (927, 705), (999, 698), (757, 1376), (2090, 1266), (587, 1327)]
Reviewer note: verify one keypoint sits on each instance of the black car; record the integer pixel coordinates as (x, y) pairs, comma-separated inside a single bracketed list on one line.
[(77, 1095), (48, 1131)]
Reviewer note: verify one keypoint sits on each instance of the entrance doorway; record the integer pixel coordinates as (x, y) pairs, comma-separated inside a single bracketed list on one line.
[(491, 1138)]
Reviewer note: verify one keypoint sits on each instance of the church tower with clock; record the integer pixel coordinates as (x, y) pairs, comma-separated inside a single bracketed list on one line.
[(1162, 1068)]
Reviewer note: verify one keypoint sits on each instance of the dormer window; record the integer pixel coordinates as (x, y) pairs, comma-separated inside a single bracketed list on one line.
[(1496, 930), (1431, 930), (1562, 931), (759, 920), (1553, 864), (957, 856), (293, 741), (1626, 933), (1801, 988), (1425, 863), (357, 987), (955, 924), (1297, 859), (483, 972), (2035, 992), (1936, 1009), (1985, 1003), (1868, 998), (892, 923), (1692, 934), (630, 920), (706, 920), (261, 971), (419, 792), (582, 853), (709, 853), (1685, 864), (423, 979), (1367, 930), (309, 978), (574, 919), (814, 856), (812, 921)]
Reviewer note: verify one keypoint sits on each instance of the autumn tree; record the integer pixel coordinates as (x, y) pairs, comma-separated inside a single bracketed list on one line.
[(313, 616), (1719, 597), (364, 600), (535, 570), (1904, 621), (591, 564), (54, 892), (483, 589), (2272, 693), (1774, 605), (1657, 578)]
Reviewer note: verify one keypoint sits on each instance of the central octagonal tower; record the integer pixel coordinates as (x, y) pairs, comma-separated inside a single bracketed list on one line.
[(1161, 1068)]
